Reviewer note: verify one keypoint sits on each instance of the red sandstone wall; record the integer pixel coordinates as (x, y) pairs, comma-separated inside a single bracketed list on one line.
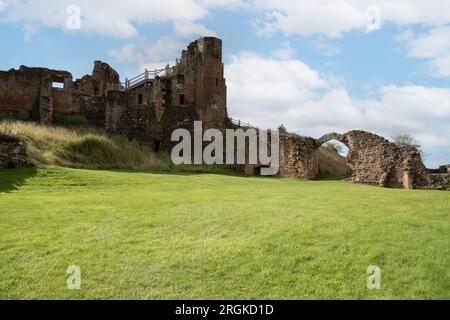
[(200, 78), (19, 89)]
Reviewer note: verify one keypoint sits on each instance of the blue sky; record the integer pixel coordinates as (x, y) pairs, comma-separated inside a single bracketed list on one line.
[(314, 66)]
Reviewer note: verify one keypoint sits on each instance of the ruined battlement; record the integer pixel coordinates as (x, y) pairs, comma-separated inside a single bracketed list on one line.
[(149, 107), (193, 89), (44, 93)]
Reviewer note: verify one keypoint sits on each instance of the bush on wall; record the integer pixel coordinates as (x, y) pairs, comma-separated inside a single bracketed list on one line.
[(11, 115), (69, 121)]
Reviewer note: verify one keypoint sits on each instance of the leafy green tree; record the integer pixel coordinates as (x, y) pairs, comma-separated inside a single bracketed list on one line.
[(407, 140)]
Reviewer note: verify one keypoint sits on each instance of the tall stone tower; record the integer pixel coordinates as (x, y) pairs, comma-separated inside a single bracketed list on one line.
[(203, 80)]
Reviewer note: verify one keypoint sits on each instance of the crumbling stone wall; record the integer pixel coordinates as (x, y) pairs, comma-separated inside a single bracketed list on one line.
[(198, 77), (375, 160), (193, 89), (298, 156), (13, 152), (31, 90)]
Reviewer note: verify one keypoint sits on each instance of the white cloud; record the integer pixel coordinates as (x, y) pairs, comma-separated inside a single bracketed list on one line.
[(189, 29), (165, 50), (434, 46), (119, 18), (303, 17), (115, 17), (269, 92), (126, 54), (405, 35), (325, 47), (307, 18), (228, 4), (29, 32), (333, 18), (284, 52)]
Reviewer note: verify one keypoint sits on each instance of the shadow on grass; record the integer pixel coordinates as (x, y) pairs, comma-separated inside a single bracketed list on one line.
[(180, 171), (12, 179), (329, 177)]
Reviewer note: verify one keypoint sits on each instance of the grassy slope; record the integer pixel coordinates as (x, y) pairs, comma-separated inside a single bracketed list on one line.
[(84, 147), (92, 148), (143, 235), (331, 164)]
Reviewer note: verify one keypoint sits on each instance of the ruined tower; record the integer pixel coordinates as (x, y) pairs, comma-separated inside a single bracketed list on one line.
[(199, 81)]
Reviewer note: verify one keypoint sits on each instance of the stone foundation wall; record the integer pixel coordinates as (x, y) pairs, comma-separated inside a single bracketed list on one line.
[(13, 152), (298, 157)]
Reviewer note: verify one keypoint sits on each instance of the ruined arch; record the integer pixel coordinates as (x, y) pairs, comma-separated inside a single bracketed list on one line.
[(332, 153), (331, 136), (372, 159)]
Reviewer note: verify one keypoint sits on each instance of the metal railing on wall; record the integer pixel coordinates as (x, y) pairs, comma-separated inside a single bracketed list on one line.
[(143, 78), (242, 124)]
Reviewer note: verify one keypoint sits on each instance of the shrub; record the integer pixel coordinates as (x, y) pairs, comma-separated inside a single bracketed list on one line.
[(85, 147), (89, 149), (10, 115), (11, 164), (69, 120)]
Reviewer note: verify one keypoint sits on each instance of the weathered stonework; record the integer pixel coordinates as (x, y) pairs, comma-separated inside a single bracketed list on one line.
[(375, 160), (371, 160), (13, 152), (32, 90), (193, 89), (298, 157), (149, 108)]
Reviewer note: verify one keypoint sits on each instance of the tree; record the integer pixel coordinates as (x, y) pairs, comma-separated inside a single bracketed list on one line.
[(408, 141)]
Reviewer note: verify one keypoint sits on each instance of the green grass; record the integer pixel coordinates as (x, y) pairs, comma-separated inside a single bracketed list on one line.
[(175, 236), (92, 148)]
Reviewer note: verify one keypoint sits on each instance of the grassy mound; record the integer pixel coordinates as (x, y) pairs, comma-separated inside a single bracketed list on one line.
[(85, 147)]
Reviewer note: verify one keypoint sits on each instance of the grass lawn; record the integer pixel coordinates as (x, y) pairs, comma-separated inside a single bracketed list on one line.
[(176, 236)]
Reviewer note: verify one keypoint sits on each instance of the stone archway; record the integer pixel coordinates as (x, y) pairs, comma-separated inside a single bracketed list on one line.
[(331, 136), (371, 159), (375, 160), (331, 153)]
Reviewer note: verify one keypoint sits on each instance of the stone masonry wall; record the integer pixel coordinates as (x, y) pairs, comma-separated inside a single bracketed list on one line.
[(13, 152), (199, 77), (375, 160), (31, 90), (298, 157)]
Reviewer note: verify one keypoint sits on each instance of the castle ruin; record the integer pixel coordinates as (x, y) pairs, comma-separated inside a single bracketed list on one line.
[(152, 105), (147, 108)]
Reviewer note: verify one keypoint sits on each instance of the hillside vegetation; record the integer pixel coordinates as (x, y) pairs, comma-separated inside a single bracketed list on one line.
[(138, 235), (83, 147), (91, 148), (331, 164)]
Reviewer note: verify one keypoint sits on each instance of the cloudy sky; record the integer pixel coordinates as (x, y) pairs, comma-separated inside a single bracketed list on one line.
[(313, 65)]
